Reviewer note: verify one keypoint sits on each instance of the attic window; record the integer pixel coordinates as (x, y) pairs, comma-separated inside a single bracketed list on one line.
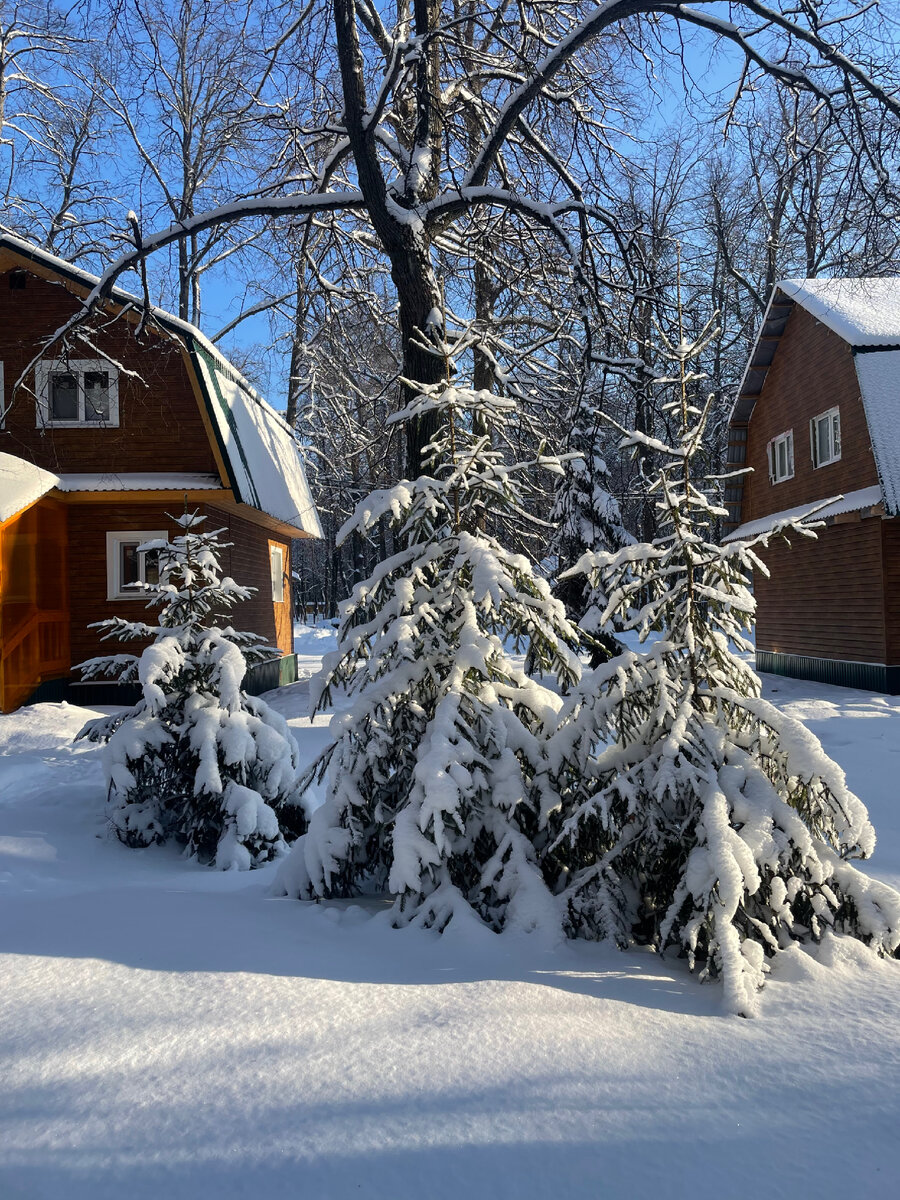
[(825, 437), (781, 457), (77, 393), (17, 280)]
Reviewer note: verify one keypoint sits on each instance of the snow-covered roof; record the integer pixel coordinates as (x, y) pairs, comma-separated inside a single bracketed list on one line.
[(261, 455), (864, 312), (254, 440), (146, 481), (879, 385), (21, 484), (867, 497)]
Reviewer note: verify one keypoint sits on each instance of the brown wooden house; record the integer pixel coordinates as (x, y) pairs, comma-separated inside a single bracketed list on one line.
[(818, 419), (115, 432)]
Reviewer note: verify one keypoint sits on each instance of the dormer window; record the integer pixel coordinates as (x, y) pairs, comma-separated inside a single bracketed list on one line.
[(781, 457), (825, 437), (77, 393)]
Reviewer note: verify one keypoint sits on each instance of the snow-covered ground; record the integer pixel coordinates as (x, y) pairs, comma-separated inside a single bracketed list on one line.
[(170, 1031)]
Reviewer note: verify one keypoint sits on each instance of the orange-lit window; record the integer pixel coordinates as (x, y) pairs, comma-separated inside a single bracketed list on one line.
[(276, 566)]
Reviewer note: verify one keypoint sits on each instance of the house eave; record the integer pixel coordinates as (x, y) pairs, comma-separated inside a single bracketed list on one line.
[(773, 324)]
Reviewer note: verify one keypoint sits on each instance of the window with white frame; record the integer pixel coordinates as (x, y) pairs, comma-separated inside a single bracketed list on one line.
[(276, 567), (825, 437), (781, 457), (77, 393), (127, 564)]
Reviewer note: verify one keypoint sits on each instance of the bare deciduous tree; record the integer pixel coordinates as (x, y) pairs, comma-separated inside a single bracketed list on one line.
[(459, 110)]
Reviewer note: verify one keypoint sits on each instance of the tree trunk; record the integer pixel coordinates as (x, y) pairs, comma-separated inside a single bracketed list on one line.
[(405, 241), (299, 336), (419, 297)]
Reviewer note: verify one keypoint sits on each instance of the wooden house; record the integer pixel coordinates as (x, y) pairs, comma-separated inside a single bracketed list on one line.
[(117, 430), (817, 418)]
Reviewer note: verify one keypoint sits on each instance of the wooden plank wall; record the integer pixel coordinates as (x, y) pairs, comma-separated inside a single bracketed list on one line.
[(247, 562), (88, 526), (34, 617), (812, 371), (890, 543), (825, 597), (160, 427)]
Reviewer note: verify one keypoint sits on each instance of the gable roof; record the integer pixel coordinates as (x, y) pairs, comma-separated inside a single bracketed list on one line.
[(257, 446), (879, 384), (863, 312)]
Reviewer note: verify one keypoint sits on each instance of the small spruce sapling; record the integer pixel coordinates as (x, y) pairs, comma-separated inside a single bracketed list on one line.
[(695, 816), (195, 759), (430, 779)]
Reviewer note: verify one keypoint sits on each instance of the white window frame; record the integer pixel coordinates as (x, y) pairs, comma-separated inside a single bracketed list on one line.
[(786, 438), (833, 417), (277, 574), (115, 539), (77, 367)]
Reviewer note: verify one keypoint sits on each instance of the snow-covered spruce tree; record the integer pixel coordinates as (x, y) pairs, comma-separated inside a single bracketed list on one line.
[(586, 517), (429, 780), (196, 759), (695, 816)]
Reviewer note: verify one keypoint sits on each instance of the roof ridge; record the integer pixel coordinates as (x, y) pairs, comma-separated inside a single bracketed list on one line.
[(863, 310)]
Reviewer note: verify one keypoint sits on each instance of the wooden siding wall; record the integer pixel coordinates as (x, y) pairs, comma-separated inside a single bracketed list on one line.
[(34, 624), (824, 597), (813, 370), (160, 427), (890, 549), (88, 526), (247, 561)]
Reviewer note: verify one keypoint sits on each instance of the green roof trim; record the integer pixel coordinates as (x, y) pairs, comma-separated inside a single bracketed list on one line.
[(215, 400)]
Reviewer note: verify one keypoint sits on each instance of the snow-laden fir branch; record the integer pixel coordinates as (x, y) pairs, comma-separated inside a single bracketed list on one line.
[(431, 780), (195, 759), (695, 817)]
